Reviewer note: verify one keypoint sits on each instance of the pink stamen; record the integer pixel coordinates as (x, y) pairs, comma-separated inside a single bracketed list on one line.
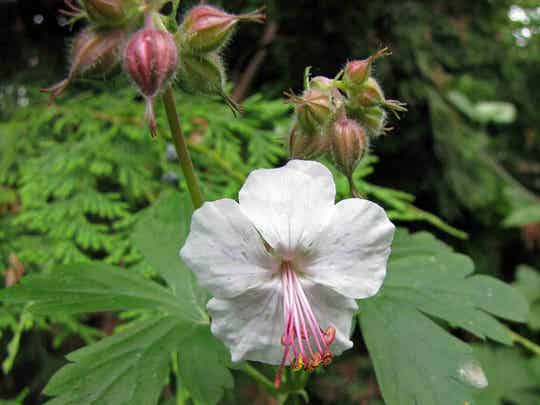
[(301, 331), (315, 329)]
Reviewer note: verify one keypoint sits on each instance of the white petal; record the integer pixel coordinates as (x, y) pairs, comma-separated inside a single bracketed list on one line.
[(225, 251), (251, 324), (289, 205), (313, 169), (352, 252), (332, 309)]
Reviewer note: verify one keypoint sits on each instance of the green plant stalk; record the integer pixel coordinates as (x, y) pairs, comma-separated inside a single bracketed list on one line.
[(182, 150), (259, 377), (174, 367), (526, 343)]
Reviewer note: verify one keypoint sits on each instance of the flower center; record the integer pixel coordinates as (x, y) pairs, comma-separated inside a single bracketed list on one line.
[(305, 342)]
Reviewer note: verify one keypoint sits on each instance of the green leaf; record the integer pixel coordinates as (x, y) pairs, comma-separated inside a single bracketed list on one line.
[(81, 288), (510, 376), (427, 275), (159, 235), (128, 368), (203, 366), (528, 283), (523, 215), (132, 366), (415, 359)]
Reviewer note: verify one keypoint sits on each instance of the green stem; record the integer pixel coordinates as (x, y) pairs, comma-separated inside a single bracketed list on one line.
[(181, 149), (259, 377), (526, 343), (174, 367)]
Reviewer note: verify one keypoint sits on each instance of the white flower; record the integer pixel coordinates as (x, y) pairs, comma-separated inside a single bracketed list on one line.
[(286, 264)]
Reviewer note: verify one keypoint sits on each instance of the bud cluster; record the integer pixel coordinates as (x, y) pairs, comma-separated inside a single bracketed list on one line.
[(97, 49), (203, 33), (338, 117), (132, 33)]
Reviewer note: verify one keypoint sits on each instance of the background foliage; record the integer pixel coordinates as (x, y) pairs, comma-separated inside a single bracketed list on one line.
[(75, 180)]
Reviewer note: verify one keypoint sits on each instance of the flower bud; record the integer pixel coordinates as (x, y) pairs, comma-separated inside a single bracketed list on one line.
[(112, 13), (92, 52), (349, 143), (150, 59), (204, 74), (206, 28), (369, 94), (374, 119), (357, 72), (314, 108), (321, 83), (306, 146)]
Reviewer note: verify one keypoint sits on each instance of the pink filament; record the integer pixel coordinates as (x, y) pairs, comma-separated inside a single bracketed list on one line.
[(301, 331)]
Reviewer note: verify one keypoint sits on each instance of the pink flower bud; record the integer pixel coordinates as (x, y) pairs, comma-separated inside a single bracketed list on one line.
[(306, 146), (206, 28), (357, 72), (150, 59), (92, 52), (349, 143), (314, 108)]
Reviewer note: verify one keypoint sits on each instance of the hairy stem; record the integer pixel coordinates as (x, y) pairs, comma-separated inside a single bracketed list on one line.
[(181, 149)]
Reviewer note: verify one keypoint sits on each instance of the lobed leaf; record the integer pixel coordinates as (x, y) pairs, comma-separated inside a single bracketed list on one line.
[(415, 359), (203, 368), (128, 368), (80, 288), (511, 377)]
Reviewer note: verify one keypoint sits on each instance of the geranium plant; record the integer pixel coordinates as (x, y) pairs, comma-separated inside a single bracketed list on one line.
[(285, 275)]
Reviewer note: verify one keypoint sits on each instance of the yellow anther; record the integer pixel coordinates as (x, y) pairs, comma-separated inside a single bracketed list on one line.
[(298, 363)]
